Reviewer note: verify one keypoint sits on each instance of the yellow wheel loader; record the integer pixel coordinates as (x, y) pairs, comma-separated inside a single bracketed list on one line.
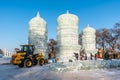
[(26, 58)]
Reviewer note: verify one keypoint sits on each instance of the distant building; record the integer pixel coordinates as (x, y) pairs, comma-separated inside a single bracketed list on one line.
[(38, 34)]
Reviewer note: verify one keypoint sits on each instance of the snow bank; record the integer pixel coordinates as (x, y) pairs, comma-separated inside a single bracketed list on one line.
[(85, 65), (5, 60), (10, 72), (65, 71)]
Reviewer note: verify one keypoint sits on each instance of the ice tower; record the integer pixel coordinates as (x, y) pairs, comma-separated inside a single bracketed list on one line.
[(67, 36), (38, 34), (89, 41)]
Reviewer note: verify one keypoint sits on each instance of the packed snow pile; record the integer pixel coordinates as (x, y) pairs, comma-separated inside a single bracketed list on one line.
[(77, 65), (5, 60), (61, 71), (85, 65)]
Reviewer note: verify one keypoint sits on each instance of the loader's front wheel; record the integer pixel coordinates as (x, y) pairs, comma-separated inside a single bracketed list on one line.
[(28, 63)]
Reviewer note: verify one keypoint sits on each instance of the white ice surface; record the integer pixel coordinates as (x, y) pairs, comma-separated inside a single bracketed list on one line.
[(11, 72)]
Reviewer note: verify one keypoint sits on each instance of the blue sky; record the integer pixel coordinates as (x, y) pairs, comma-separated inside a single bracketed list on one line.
[(16, 14)]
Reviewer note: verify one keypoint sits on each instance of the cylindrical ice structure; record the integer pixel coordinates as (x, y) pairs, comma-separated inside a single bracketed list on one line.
[(38, 34), (67, 36), (89, 41)]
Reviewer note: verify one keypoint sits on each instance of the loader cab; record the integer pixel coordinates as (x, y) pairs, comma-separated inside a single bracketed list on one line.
[(29, 49)]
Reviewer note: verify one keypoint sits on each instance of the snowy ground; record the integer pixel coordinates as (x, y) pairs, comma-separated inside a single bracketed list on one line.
[(11, 72)]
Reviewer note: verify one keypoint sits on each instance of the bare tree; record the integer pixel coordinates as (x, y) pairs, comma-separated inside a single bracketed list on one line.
[(117, 25), (112, 39), (80, 39), (117, 30), (1, 51), (101, 37), (108, 39), (51, 46)]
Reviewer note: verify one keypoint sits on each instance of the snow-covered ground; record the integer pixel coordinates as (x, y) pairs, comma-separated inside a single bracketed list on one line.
[(12, 72)]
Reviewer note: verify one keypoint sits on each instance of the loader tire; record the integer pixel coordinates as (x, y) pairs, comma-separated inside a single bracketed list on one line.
[(28, 63), (35, 62), (41, 61)]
